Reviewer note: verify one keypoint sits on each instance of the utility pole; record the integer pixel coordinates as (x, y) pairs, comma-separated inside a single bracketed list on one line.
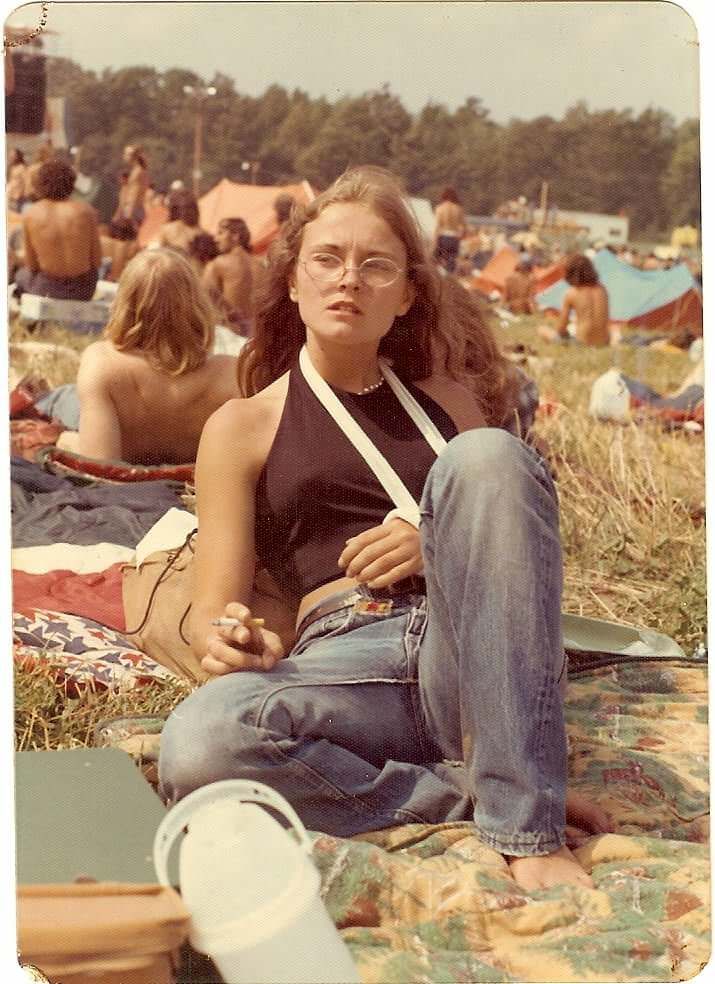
[(252, 167), (201, 93), (198, 135), (543, 205)]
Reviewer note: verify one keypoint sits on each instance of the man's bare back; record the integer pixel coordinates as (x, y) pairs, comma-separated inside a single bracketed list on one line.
[(449, 218), (61, 238), (590, 304), (135, 413), (229, 279), (591, 307), (120, 252), (518, 293), (177, 235)]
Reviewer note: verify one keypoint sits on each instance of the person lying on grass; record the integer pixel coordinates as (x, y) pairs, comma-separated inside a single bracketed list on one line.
[(419, 638), (147, 389)]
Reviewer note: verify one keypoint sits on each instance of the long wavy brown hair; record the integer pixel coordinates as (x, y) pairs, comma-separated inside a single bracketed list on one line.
[(579, 271), (445, 329)]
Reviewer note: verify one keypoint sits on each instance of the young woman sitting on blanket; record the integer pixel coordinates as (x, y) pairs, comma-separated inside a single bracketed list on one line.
[(147, 389), (421, 636)]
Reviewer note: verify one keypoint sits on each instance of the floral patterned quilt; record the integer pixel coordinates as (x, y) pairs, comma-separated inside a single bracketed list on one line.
[(422, 904), (433, 904)]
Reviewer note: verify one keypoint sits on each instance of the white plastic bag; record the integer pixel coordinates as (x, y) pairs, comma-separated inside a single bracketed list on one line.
[(610, 399)]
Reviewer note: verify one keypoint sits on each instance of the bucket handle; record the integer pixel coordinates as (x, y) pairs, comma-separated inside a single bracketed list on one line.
[(242, 790)]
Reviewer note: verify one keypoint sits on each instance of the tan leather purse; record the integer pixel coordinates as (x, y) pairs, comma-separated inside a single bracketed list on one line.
[(157, 609)]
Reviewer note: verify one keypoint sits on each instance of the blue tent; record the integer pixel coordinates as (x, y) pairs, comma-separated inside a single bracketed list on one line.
[(632, 293)]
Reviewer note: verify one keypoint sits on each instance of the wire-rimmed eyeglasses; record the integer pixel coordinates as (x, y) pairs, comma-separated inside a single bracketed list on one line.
[(375, 271)]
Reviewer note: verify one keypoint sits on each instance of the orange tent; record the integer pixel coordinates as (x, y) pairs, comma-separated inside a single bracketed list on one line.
[(503, 263), (684, 311), (228, 199)]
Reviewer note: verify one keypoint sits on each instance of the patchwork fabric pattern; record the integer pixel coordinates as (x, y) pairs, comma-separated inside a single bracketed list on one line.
[(81, 652), (432, 903)]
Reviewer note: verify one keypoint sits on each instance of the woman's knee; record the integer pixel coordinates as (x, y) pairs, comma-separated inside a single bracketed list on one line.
[(205, 735), (487, 454), (490, 469)]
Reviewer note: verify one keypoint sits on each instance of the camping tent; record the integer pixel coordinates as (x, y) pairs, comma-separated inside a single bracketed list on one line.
[(228, 199), (253, 203), (503, 263), (646, 298), (424, 213)]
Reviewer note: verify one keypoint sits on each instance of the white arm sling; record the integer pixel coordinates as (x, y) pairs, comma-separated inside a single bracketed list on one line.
[(386, 475)]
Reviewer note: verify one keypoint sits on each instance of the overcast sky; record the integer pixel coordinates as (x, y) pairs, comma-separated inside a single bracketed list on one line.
[(521, 59)]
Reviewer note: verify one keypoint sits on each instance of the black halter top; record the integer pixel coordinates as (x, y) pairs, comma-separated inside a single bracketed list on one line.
[(315, 490)]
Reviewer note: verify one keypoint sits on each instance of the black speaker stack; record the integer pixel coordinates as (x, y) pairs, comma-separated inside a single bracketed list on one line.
[(25, 105)]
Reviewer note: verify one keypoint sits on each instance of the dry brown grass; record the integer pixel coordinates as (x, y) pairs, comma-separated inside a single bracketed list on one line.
[(632, 497), (632, 518), (51, 352)]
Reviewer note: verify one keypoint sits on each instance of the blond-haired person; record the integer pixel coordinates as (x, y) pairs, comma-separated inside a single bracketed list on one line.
[(146, 390)]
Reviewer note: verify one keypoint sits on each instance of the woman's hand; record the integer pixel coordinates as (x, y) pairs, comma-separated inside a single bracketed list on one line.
[(383, 555), (242, 647)]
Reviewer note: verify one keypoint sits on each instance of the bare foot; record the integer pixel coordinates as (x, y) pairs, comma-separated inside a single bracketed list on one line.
[(546, 870), (587, 816)]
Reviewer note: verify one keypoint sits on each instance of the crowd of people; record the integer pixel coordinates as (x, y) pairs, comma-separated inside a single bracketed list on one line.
[(60, 251), (59, 248)]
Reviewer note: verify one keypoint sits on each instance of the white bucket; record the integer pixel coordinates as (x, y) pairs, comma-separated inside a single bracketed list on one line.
[(251, 889)]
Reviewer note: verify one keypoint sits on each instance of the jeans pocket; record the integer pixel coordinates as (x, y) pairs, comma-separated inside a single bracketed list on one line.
[(333, 624)]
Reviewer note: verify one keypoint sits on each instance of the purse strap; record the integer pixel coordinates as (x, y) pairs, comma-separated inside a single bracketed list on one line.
[(378, 464), (171, 559)]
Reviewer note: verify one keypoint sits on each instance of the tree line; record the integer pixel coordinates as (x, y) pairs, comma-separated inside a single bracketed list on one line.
[(644, 166)]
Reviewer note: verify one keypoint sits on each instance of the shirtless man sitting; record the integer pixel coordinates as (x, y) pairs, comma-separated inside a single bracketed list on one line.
[(183, 224), (588, 299), (61, 239), (147, 389), (16, 179), (229, 278), (120, 245), (519, 289)]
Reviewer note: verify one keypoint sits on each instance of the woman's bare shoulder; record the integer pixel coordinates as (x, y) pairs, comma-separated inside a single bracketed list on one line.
[(248, 424), (455, 398)]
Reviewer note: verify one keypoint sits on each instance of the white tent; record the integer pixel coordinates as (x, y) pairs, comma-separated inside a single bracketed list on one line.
[(422, 207)]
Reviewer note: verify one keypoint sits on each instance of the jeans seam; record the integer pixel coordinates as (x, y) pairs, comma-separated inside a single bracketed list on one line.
[(323, 785), (412, 642), (545, 697), (543, 843), (348, 681)]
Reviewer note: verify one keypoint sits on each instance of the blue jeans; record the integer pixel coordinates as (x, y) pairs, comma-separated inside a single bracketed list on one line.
[(354, 726), (61, 403)]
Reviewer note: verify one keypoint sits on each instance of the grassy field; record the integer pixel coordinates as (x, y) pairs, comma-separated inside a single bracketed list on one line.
[(632, 520)]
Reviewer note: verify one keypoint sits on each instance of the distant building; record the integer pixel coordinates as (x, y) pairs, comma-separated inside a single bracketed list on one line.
[(596, 226)]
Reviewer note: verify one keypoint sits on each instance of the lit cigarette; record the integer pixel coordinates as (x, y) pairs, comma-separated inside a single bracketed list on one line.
[(232, 623)]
